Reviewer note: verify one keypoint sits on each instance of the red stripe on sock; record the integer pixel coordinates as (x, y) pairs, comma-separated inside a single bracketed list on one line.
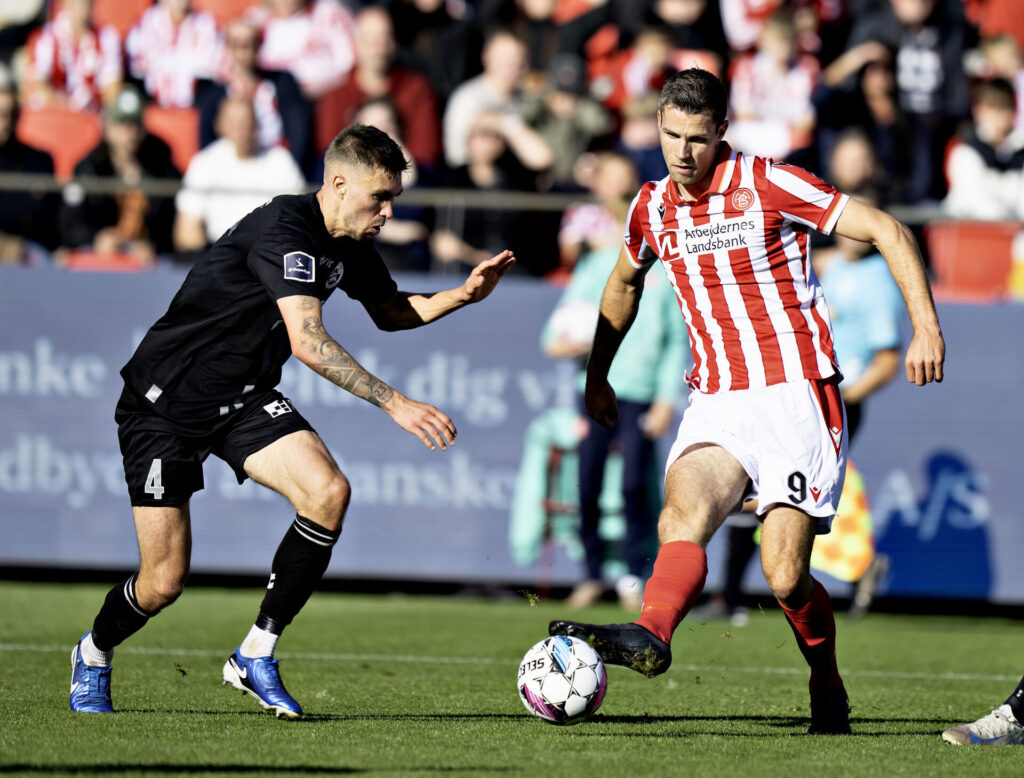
[(677, 581), (814, 626)]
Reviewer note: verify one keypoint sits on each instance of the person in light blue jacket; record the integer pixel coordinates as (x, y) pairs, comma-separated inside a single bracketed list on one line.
[(648, 376)]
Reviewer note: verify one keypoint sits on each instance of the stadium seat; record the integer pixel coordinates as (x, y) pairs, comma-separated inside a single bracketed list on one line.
[(970, 260), (224, 10), (178, 128), (119, 14), (68, 136), (82, 259)]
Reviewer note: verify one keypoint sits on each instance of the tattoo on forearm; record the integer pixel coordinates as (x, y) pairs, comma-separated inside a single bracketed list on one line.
[(339, 367)]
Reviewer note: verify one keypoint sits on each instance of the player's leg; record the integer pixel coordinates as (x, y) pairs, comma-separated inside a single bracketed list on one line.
[(701, 487), (162, 471), (165, 543), (1002, 727), (786, 540), (298, 466)]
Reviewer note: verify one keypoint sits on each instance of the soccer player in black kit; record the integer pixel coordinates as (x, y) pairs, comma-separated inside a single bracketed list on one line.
[(203, 380)]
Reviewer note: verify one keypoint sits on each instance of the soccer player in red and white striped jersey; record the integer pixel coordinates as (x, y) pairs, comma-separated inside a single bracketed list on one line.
[(765, 419)]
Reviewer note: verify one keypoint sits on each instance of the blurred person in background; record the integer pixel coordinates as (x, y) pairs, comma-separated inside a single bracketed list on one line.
[(1004, 726), (464, 235), (928, 38), (586, 227), (130, 221), (1001, 57), (985, 167), (695, 27), (283, 116), (638, 69), (565, 115), (169, 48), (742, 21), (646, 378), (229, 178), (858, 90), (638, 137), (203, 381), (497, 91), (311, 39), (71, 62), (26, 215), (549, 28), (442, 38), (771, 113), (378, 73), (403, 240)]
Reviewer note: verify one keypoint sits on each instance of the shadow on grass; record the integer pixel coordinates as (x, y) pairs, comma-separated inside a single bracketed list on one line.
[(231, 769), (879, 726)]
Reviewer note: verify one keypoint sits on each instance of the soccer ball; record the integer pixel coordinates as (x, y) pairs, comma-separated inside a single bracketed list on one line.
[(562, 680)]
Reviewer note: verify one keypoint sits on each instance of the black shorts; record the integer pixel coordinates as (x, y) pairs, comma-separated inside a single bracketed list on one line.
[(163, 464)]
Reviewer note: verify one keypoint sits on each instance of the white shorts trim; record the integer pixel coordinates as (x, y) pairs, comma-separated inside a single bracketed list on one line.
[(793, 449)]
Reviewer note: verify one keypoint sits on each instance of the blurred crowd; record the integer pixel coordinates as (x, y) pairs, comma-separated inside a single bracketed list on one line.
[(917, 102)]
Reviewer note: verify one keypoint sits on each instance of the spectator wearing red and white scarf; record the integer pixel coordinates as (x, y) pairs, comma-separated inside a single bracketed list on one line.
[(311, 39), (169, 48), (71, 62)]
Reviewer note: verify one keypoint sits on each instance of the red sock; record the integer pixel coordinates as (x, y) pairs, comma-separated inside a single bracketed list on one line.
[(677, 581), (815, 629)]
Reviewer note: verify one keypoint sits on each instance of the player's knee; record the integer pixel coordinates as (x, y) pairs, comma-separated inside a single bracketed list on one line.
[(789, 586), (161, 590), (679, 523), (329, 502)]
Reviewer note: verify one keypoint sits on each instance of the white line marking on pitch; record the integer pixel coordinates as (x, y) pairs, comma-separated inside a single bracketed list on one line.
[(451, 660)]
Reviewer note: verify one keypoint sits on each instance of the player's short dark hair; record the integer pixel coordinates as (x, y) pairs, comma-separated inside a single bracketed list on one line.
[(361, 144), (695, 91)]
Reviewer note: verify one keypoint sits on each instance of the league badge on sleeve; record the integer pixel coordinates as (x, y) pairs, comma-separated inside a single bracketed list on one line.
[(299, 266)]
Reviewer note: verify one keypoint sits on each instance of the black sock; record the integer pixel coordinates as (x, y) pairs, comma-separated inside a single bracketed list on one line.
[(298, 566), (120, 617), (1016, 702)]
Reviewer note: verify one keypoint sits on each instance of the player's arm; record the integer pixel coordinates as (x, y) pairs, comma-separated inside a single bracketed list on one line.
[(312, 345), (927, 350), (882, 368), (407, 310), (619, 304)]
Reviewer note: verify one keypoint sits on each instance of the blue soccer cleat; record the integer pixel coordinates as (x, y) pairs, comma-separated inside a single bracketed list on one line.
[(90, 686), (261, 678)]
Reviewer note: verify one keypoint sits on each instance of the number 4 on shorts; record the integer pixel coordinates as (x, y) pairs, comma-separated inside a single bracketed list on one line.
[(155, 480)]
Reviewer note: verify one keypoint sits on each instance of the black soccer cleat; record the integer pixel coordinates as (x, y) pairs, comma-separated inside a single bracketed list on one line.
[(830, 712), (629, 645)]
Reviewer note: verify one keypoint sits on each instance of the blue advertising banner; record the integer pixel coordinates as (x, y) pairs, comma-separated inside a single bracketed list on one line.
[(940, 463)]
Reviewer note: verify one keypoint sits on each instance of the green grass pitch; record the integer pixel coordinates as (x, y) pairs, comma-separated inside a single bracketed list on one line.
[(416, 685)]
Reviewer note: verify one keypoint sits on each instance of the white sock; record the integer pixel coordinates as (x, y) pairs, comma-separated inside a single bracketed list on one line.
[(259, 642), (92, 656)]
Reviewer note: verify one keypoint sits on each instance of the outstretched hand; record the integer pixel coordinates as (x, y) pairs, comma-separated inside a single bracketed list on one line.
[(426, 422), (485, 276)]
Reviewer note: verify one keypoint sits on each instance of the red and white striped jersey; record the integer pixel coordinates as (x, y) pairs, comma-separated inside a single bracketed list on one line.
[(739, 260), (169, 57), (80, 67)]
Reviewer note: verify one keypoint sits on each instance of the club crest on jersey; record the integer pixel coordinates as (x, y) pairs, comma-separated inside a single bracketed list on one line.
[(335, 277), (299, 266), (742, 199)]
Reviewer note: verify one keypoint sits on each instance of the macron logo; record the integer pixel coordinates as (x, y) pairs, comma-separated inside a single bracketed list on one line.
[(299, 266)]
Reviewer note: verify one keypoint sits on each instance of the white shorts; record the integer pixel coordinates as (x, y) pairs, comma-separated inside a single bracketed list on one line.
[(790, 438)]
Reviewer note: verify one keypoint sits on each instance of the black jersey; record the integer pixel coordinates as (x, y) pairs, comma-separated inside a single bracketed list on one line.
[(222, 339)]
